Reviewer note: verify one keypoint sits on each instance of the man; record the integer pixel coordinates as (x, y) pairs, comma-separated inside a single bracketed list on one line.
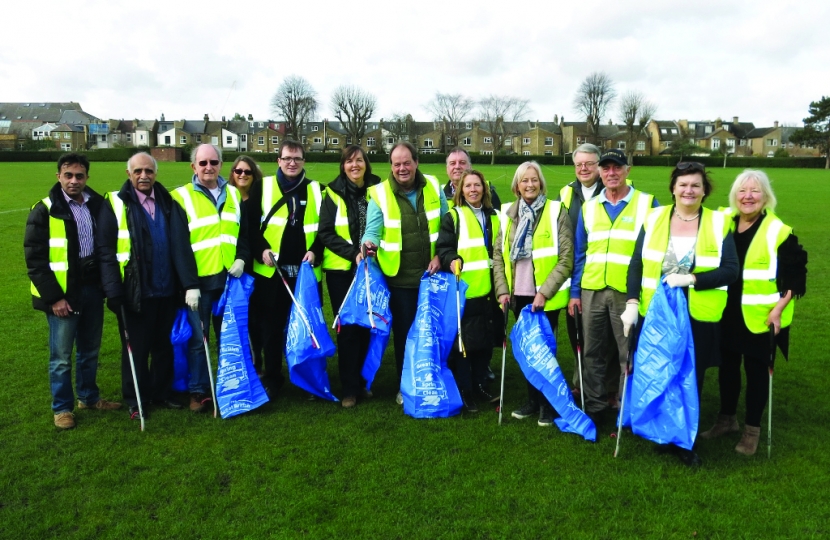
[(284, 218), (403, 218), (606, 231), (219, 242), (59, 246), (458, 161), (145, 261)]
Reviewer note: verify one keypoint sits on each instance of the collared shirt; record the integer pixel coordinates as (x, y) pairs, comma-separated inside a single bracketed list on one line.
[(148, 202), (83, 220)]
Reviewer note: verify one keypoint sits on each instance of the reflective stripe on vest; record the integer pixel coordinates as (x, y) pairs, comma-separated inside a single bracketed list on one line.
[(332, 261), (705, 306), (566, 196), (473, 250), (274, 229), (213, 234), (545, 254), (123, 244), (610, 245), (58, 249), (760, 292), (389, 252)]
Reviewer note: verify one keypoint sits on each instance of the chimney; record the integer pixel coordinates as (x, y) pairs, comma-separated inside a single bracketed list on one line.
[(718, 123), (223, 118), (207, 118), (162, 117), (775, 124), (250, 118), (735, 120)]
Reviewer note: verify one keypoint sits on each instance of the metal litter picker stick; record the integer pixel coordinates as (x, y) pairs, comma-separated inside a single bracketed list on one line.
[(625, 388), (503, 359), (461, 348), (210, 370), (300, 308), (769, 407), (132, 367), (578, 324)]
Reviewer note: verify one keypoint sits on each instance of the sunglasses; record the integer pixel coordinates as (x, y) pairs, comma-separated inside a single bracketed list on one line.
[(243, 172), (204, 162), (690, 165)]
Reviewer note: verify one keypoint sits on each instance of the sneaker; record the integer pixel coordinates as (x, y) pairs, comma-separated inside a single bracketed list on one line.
[(467, 401), (545, 416), (135, 414), (528, 409), (399, 399), (349, 402), (65, 420), (100, 405), (167, 404), (484, 395), (200, 402)]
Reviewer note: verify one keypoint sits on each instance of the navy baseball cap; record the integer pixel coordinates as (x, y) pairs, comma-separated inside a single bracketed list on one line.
[(614, 155)]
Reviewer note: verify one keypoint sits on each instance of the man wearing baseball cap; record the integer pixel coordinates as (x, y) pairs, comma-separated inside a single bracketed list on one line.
[(606, 231)]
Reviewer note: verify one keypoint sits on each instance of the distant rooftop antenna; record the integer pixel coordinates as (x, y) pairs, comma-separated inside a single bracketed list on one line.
[(222, 110)]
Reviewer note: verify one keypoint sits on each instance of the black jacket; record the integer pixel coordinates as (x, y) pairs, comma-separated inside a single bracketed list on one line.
[(141, 259), (343, 187), (36, 250)]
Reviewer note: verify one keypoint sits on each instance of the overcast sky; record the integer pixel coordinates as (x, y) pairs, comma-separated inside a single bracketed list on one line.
[(760, 60)]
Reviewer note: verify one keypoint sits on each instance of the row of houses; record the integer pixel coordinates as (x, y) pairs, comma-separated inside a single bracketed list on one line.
[(66, 126)]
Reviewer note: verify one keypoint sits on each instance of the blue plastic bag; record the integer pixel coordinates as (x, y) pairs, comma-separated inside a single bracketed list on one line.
[(179, 336), (663, 405), (355, 310), (238, 388), (427, 384), (534, 347), (307, 341)]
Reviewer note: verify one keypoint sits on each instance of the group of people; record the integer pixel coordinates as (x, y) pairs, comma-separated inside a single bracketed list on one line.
[(597, 249)]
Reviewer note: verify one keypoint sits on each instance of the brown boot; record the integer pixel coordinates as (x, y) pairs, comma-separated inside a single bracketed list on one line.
[(749, 441), (723, 425)]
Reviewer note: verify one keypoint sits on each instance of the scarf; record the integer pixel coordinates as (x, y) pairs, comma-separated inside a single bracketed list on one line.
[(523, 242)]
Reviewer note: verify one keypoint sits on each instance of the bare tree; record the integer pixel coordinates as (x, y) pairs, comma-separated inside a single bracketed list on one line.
[(401, 127), (296, 102), (453, 109), (497, 112), (636, 112), (353, 107), (593, 98)]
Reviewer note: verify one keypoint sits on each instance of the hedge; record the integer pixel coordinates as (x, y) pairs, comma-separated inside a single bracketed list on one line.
[(106, 154), (746, 162)]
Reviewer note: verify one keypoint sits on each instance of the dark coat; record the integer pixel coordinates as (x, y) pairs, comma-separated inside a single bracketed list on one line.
[(36, 250), (141, 264), (326, 233)]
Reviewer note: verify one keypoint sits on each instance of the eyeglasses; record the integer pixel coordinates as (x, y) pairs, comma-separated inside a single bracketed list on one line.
[(204, 162), (585, 165), (76, 176), (145, 171), (693, 165), (292, 159), (243, 172)]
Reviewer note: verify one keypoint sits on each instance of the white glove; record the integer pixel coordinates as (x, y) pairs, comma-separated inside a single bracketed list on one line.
[(237, 267), (191, 298), (630, 317), (679, 280)]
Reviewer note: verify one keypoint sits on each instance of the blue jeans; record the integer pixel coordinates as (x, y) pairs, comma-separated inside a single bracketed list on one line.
[(196, 357), (83, 331)]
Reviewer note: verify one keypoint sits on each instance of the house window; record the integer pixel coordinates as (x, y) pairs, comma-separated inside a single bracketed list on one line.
[(370, 141), (198, 138), (449, 140), (548, 152), (468, 125), (580, 140), (66, 147), (548, 141), (641, 145), (229, 140), (318, 140), (141, 137), (715, 144), (243, 138), (488, 140), (730, 143), (349, 141), (621, 145), (707, 129), (103, 138), (692, 126), (390, 140), (314, 128), (275, 140), (666, 144), (526, 140), (466, 141), (183, 140), (129, 137), (428, 151), (772, 142), (508, 141), (335, 140), (427, 143), (664, 131), (526, 153), (487, 152), (260, 141), (167, 140), (66, 135), (673, 131), (214, 141), (742, 143)]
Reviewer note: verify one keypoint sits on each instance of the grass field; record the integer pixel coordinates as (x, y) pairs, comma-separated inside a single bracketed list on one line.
[(299, 469)]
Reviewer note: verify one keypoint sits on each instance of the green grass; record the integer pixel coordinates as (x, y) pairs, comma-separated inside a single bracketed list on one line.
[(298, 469)]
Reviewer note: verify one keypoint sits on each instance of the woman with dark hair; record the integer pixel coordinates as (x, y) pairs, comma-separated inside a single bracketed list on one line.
[(342, 224), (245, 173), (685, 245), (773, 270), (468, 234)]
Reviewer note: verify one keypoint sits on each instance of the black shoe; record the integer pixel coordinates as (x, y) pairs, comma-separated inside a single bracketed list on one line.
[(135, 414), (484, 395), (467, 400), (168, 404), (528, 409), (689, 458), (490, 376), (545, 416)]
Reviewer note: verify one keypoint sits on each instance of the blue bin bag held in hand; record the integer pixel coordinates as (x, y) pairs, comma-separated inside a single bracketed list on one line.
[(179, 335), (664, 403), (355, 310), (306, 354), (427, 384), (534, 347), (238, 388)]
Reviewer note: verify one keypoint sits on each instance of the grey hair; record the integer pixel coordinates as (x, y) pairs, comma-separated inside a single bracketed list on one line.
[(763, 182), (587, 148), (155, 163), (196, 151), (543, 187)]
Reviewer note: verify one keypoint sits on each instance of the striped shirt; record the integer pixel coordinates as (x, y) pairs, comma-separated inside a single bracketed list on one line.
[(83, 220)]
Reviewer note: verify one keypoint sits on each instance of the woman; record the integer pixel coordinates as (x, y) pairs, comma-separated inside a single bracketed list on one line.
[(342, 224), (767, 251), (244, 174), (465, 246), (527, 269), (685, 244)]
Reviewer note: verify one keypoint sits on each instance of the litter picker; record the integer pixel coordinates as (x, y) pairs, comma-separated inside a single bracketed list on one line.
[(503, 359), (457, 273), (769, 407), (579, 336), (132, 366), (210, 369), (628, 363), (300, 309)]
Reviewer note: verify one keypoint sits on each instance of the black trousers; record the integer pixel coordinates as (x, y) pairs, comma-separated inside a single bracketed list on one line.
[(352, 340), (534, 395), (757, 385), (403, 303), (149, 338)]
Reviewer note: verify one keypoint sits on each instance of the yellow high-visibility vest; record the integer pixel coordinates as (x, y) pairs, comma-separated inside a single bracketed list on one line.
[(123, 244), (58, 249), (332, 261), (472, 248)]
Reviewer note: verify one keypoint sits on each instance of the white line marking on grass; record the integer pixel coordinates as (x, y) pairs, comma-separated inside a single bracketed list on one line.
[(10, 211)]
